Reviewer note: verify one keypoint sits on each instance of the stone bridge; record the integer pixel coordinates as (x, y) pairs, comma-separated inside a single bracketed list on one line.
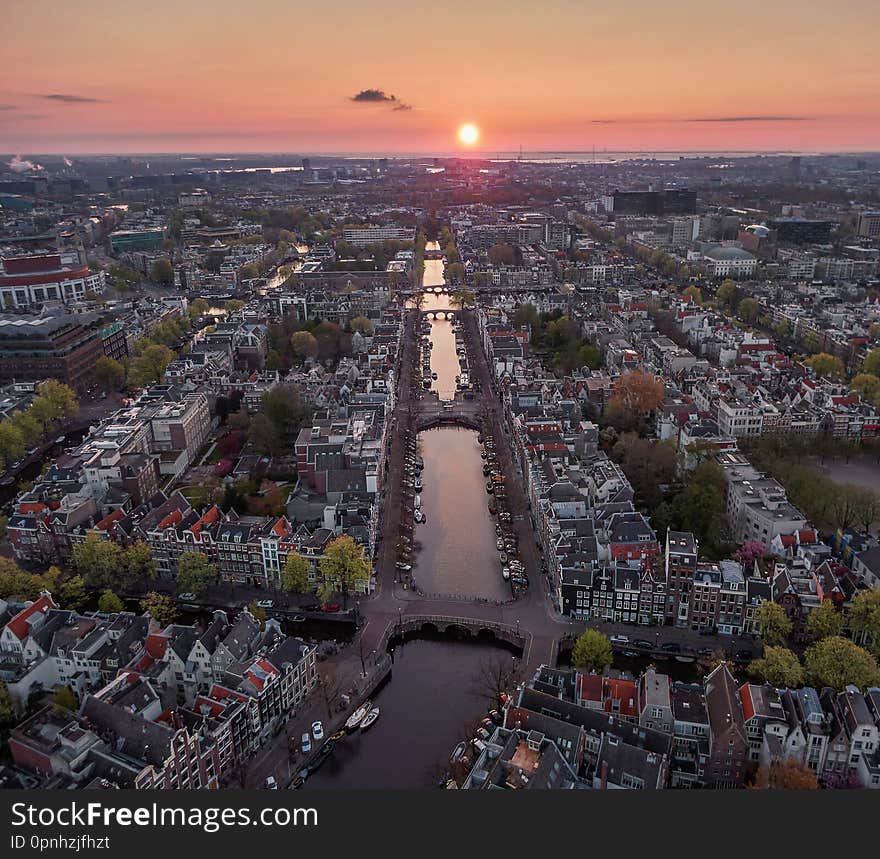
[(432, 624), (439, 314)]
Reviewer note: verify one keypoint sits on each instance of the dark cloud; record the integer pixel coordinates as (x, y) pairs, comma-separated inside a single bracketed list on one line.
[(68, 98), (379, 96)]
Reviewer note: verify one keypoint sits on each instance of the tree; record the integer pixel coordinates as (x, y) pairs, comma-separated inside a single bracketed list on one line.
[(726, 293), (194, 573), (98, 561), (462, 298), (866, 506), (838, 663), (198, 308), (823, 364), (360, 324), (295, 574), (140, 565), (54, 402), (304, 345), (109, 603), (502, 254), (284, 408), (108, 373), (592, 651), (344, 566), (635, 395), (7, 711), (824, 621), (160, 607), (73, 593), (773, 622), (234, 305), (779, 667), (12, 443), (867, 387), (788, 774), (647, 464), (872, 363), (747, 310), (65, 698), (149, 366), (695, 294), (264, 436), (258, 613), (749, 552), (864, 616), (162, 272), (494, 677)]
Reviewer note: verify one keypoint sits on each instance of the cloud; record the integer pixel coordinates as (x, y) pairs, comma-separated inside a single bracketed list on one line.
[(748, 119), (379, 96), (730, 119), (22, 165), (68, 98)]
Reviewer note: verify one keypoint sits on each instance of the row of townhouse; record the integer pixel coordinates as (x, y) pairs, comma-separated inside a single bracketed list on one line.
[(167, 707), (569, 730)]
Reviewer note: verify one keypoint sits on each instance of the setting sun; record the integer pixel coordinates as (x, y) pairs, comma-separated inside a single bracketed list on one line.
[(468, 134)]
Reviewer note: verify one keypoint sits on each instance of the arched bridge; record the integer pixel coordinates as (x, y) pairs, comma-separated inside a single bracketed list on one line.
[(446, 419), (432, 624), (439, 314)]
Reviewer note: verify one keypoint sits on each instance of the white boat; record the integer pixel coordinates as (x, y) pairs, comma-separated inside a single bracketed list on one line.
[(370, 719), (417, 501), (505, 573), (358, 716)]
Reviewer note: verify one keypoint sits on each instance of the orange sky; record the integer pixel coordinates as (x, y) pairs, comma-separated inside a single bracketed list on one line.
[(279, 75)]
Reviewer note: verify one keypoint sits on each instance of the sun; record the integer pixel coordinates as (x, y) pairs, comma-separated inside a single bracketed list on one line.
[(468, 134)]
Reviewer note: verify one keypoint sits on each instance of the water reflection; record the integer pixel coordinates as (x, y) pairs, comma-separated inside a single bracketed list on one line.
[(424, 710), (458, 553)]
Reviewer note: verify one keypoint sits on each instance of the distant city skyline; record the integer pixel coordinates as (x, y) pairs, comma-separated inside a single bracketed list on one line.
[(387, 78)]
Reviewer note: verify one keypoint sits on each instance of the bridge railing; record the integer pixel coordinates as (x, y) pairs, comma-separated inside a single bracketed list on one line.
[(507, 632)]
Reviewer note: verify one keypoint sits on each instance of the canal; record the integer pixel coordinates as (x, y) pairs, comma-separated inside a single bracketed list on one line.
[(457, 552), (432, 698)]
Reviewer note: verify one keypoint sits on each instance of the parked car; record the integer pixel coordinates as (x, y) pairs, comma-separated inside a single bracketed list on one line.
[(265, 603), (186, 597), (671, 646), (619, 639), (318, 730), (305, 744), (271, 784), (331, 607), (644, 643)]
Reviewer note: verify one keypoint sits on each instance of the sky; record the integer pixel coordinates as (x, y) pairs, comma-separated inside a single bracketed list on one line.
[(387, 76)]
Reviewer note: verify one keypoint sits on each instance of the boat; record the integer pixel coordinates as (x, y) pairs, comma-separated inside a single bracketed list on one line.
[(503, 558), (358, 716), (457, 752), (370, 719), (434, 376), (505, 573), (685, 659)]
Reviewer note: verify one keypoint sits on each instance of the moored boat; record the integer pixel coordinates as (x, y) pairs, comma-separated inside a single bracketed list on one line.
[(370, 719), (355, 719)]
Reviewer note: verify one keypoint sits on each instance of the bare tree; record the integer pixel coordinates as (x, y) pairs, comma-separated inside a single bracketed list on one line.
[(330, 686), (495, 676)]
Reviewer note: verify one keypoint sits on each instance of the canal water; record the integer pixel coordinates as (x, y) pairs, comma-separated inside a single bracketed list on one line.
[(425, 708), (458, 555)]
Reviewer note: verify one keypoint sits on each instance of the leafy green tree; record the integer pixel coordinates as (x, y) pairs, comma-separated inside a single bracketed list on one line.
[(345, 567), (592, 651), (824, 621), (28, 425), (98, 561), (773, 622), (74, 593), (65, 698), (726, 294), (108, 373), (160, 607), (864, 616), (748, 310), (12, 444), (234, 305), (694, 293), (872, 363), (867, 387), (779, 667), (198, 308), (162, 272), (823, 364), (109, 603), (140, 565), (838, 663), (54, 402), (195, 573), (148, 367), (295, 574), (264, 436)]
